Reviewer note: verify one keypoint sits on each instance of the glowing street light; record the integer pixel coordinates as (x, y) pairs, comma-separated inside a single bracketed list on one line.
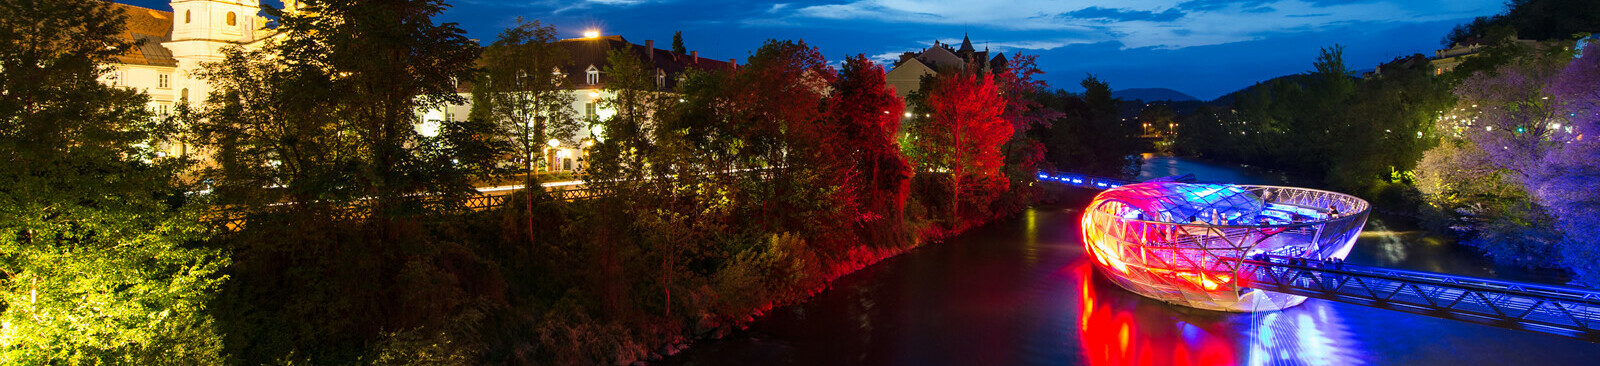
[(554, 143), (592, 33)]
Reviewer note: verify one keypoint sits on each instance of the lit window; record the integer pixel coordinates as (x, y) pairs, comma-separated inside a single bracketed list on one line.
[(184, 95), (594, 75), (232, 19)]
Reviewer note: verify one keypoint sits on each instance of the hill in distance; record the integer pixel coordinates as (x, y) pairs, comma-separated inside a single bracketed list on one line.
[(1152, 94)]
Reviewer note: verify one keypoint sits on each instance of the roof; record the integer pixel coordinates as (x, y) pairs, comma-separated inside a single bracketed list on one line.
[(153, 27), (942, 55), (585, 52)]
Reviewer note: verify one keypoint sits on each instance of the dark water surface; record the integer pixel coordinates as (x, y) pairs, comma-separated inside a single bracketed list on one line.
[(1021, 291)]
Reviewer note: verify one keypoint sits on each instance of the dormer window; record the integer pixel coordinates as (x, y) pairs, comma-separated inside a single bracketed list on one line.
[(594, 75), (661, 79)]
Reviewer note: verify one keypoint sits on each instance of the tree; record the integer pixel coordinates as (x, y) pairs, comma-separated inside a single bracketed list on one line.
[(964, 135), (775, 106), (1565, 182), (317, 148), (98, 256), (1531, 19), (526, 96), (328, 111), (872, 176), (1025, 152), (522, 94), (677, 43), (1483, 177), (1089, 137)]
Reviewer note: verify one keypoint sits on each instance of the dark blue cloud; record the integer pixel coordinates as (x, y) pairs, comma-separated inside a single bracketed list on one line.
[(1207, 67), (1212, 5), (1120, 15)]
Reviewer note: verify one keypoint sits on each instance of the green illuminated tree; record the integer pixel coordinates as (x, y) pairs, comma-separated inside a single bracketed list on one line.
[(98, 261)]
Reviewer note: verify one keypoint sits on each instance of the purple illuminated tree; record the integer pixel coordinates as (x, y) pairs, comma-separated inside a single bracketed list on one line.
[(1566, 180)]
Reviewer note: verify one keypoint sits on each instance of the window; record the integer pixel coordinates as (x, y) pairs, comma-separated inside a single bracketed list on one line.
[(594, 75), (589, 109), (165, 81), (185, 17), (184, 95), (232, 19), (661, 79)]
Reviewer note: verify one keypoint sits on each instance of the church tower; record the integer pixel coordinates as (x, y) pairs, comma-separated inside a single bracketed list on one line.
[(200, 29)]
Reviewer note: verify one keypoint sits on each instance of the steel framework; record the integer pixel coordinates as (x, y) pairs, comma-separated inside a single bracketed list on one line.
[(1561, 310), (1552, 309)]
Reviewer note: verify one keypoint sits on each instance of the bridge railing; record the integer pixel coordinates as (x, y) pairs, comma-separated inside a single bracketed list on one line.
[(476, 202), (1554, 309), (1081, 180)]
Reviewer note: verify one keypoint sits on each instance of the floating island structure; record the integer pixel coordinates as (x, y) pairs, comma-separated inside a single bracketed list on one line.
[(1184, 243)]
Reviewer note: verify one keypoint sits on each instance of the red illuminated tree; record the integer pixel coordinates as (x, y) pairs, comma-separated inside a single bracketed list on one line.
[(775, 107), (964, 134), (872, 176)]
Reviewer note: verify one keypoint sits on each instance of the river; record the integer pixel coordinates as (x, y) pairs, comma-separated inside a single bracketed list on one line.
[(1021, 291)]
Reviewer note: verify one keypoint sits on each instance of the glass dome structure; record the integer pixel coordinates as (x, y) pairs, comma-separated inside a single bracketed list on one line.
[(1184, 243)]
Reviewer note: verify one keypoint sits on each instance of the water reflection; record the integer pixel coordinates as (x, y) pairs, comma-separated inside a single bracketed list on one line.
[(1117, 331), (1120, 328)]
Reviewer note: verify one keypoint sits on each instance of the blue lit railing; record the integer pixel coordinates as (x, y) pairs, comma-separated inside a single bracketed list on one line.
[(1081, 181), (1554, 309)]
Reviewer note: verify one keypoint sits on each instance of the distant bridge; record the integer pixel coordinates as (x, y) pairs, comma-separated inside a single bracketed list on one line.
[(1554, 309)]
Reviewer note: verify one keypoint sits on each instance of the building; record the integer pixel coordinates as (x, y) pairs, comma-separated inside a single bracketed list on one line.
[(176, 43), (906, 76), (1447, 59), (586, 77)]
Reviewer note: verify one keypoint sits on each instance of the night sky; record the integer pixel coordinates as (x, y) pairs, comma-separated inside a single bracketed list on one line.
[(1205, 48)]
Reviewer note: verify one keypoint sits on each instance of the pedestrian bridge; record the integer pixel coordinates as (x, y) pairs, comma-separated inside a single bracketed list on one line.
[(1554, 309)]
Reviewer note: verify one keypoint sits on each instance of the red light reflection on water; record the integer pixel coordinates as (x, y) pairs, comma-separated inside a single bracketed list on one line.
[(1121, 328), (1115, 332)]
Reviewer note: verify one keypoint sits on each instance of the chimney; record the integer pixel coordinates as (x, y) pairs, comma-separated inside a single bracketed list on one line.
[(734, 62), (650, 49), (694, 57)]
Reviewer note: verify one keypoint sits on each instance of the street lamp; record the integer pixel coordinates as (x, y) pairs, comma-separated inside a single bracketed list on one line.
[(554, 143)]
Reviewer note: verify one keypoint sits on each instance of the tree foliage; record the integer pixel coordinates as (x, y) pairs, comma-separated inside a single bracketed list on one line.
[(963, 136), (522, 94), (1515, 173), (1356, 135), (1088, 136), (98, 257), (315, 147)]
